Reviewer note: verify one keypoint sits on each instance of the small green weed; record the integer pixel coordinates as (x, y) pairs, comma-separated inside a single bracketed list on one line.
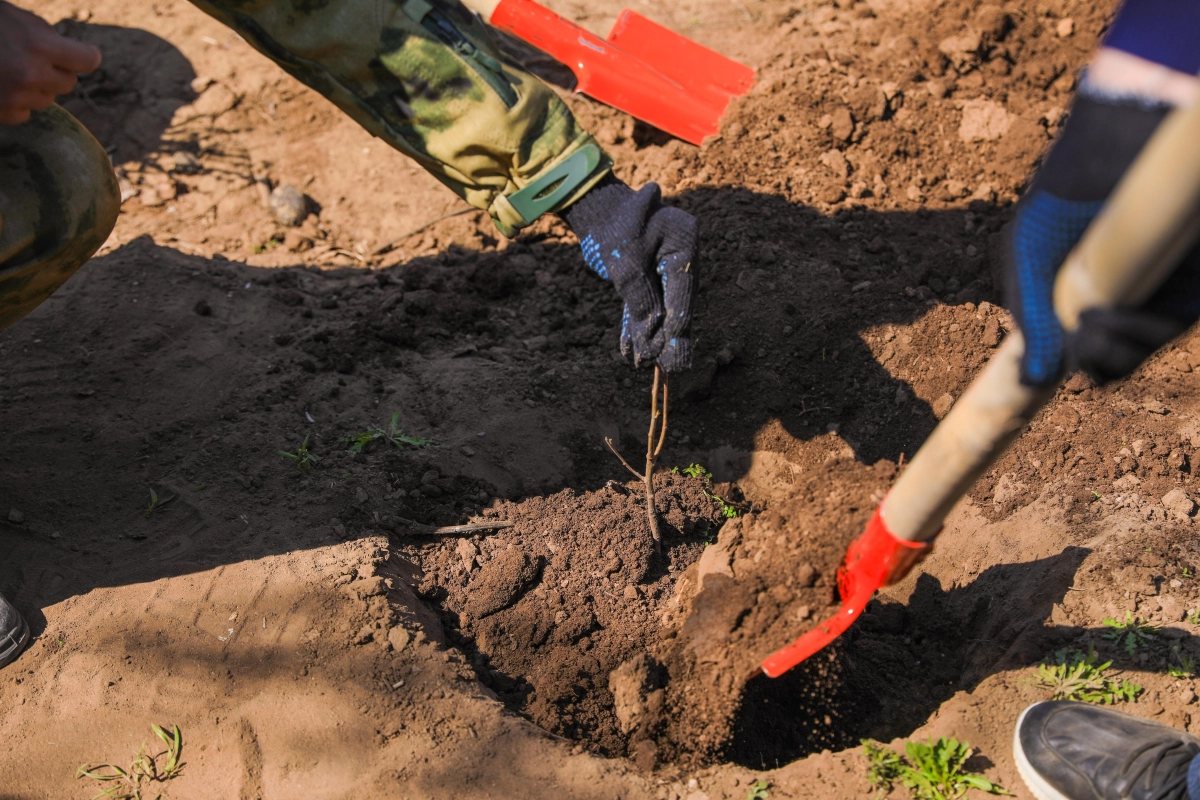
[(1130, 633), (1180, 664), (758, 790), (1193, 616), (727, 510), (1073, 675), (694, 471), (156, 505), (127, 784), (303, 458), (1185, 573), (932, 771), (1096, 494), (394, 435)]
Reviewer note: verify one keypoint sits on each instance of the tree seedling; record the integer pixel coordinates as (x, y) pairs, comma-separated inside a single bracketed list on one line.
[(932, 771), (1073, 675), (119, 783), (394, 435), (302, 457), (758, 790), (1130, 633), (658, 430)]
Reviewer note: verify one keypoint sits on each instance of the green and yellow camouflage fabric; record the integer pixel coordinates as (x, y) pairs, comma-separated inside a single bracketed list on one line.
[(58, 203), (423, 76)]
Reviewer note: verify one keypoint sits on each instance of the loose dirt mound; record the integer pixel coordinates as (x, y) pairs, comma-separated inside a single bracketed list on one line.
[(549, 607)]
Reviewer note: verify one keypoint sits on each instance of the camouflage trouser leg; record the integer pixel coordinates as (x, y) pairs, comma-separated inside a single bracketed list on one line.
[(423, 76), (58, 203)]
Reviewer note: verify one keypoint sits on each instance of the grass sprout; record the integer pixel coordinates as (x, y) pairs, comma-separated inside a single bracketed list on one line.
[(128, 783), (726, 509), (758, 790), (1131, 633), (933, 770), (1074, 675), (1180, 664), (394, 435), (303, 458)]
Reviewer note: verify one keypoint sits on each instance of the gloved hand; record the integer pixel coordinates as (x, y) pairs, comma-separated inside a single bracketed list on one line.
[(648, 250), (1099, 142)]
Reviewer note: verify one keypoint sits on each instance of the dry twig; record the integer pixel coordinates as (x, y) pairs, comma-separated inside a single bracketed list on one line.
[(653, 450), (391, 245), (455, 530)]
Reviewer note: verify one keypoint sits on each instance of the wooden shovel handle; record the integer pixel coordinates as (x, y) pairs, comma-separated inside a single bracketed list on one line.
[(1136, 241)]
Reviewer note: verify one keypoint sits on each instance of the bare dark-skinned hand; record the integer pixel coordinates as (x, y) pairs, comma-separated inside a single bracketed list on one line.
[(36, 63)]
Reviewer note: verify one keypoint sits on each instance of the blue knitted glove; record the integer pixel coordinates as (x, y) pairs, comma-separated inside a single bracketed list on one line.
[(648, 251), (1100, 140)]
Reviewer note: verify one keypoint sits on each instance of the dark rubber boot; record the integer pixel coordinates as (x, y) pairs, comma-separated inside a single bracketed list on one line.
[(1076, 751)]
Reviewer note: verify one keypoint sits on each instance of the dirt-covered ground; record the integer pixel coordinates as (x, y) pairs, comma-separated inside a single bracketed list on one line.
[(309, 634)]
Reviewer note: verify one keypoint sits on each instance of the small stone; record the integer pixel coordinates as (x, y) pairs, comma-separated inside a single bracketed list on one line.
[(913, 192), (806, 576), (398, 637), (467, 451), (842, 126), (186, 163), (1177, 502), (803, 613), (631, 592), (1187, 697), (942, 406), (467, 551), (1176, 583), (1065, 28), (199, 84), (991, 332), (288, 205), (430, 476), (16, 517)]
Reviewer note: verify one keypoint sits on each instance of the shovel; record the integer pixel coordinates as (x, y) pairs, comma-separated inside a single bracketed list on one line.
[(1143, 231), (642, 68)]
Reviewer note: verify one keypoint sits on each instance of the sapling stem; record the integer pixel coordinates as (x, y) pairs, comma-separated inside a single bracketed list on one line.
[(658, 424)]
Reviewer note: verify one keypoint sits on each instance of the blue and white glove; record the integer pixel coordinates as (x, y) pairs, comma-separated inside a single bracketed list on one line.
[(1099, 142), (648, 251)]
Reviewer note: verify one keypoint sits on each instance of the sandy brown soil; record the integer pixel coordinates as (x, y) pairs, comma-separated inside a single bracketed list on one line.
[(312, 641)]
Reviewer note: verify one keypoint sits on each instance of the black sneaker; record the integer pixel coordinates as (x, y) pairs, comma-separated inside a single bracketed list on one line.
[(14, 633), (1076, 751)]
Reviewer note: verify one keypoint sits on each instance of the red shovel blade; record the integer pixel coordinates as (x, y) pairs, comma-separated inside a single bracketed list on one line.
[(692, 65), (689, 107), (874, 560)]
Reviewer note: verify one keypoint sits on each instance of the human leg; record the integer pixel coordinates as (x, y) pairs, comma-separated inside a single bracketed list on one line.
[(58, 203)]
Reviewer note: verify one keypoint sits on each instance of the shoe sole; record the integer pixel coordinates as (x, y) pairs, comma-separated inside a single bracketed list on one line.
[(1036, 784), (22, 639)]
